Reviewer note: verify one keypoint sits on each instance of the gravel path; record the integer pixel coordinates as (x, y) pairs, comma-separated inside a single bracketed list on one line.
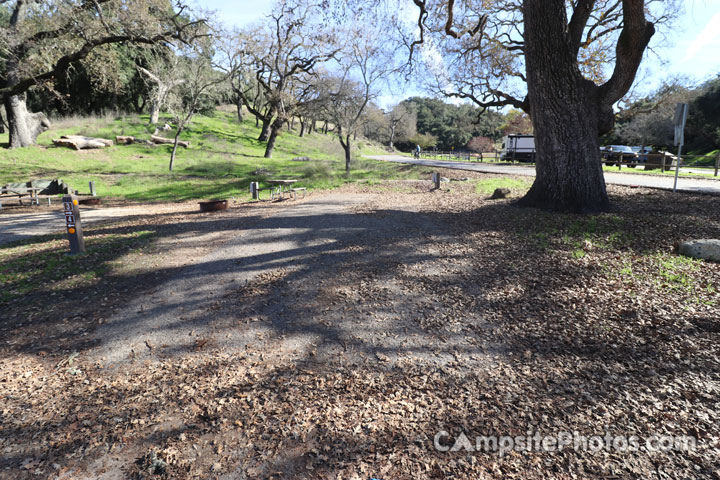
[(275, 276), (628, 179), (21, 226)]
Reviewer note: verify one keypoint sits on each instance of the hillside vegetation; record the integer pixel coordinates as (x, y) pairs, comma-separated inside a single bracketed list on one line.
[(223, 158)]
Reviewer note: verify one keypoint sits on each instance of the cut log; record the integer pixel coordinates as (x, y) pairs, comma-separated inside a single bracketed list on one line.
[(124, 140), (163, 140), (128, 140), (78, 142)]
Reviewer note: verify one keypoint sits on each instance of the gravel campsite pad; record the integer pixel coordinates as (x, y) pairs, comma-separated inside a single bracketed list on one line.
[(352, 334)]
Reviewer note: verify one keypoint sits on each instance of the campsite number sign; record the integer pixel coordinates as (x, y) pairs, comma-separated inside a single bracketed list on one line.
[(73, 225)]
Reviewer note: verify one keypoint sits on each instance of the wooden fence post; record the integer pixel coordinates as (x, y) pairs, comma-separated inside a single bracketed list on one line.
[(717, 164)]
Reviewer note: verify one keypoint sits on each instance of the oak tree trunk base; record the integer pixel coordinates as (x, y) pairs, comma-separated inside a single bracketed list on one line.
[(546, 198), (24, 126)]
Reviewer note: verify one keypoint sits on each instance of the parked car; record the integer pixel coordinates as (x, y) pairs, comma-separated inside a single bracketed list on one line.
[(614, 153), (643, 153)]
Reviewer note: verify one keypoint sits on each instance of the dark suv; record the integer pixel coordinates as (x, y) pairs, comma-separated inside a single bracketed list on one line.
[(613, 154)]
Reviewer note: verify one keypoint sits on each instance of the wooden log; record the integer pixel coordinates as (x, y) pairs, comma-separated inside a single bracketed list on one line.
[(79, 142), (106, 142), (163, 140), (124, 140)]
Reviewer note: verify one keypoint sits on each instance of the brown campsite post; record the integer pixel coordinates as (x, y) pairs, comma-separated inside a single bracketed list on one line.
[(73, 225)]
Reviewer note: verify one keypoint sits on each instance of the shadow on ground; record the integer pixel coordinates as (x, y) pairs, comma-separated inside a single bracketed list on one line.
[(371, 330)]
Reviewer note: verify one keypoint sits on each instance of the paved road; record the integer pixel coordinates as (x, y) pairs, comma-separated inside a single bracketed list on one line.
[(629, 179)]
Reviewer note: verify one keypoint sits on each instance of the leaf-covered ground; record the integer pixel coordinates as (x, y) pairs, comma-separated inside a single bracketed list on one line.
[(468, 316)]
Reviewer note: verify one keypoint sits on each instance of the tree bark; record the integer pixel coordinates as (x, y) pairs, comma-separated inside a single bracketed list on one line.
[(174, 149), (239, 105), (345, 142), (154, 112), (566, 111), (24, 126), (347, 149), (302, 128), (274, 132), (265, 132)]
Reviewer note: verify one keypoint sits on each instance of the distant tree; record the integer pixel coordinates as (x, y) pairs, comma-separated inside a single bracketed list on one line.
[(106, 80), (704, 117), (402, 123), (290, 45), (202, 82), (517, 122), (649, 121), (425, 140), (41, 40), (453, 125), (162, 75), (364, 64), (376, 124), (481, 145)]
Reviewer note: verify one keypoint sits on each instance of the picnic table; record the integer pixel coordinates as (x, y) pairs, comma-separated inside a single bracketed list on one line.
[(21, 192), (281, 186)]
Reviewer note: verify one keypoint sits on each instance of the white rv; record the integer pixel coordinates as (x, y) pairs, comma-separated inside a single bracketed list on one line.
[(520, 148)]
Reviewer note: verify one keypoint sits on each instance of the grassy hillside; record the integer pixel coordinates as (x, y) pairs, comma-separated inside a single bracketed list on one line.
[(224, 158)]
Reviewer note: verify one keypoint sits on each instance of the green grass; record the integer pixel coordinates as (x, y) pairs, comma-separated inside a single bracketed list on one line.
[(670, 173), (488, 186), (699, 159), (221, 162), (28, 266)]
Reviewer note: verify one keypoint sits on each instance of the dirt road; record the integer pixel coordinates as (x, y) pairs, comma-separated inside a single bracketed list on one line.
[(293, 251), (25, 225)]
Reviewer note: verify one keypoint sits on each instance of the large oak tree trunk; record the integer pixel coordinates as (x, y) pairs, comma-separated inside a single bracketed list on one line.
[(568, 111), (564, 111), (23, 125)]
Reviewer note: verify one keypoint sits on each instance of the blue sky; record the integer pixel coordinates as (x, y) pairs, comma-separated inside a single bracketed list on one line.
[(691, 48)]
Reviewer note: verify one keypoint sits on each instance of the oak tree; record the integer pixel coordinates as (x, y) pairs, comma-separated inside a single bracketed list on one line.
[(40, 40), (548, 58), (281, 52)]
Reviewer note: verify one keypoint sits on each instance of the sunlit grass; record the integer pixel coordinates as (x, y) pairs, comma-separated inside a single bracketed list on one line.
[(223, 158)]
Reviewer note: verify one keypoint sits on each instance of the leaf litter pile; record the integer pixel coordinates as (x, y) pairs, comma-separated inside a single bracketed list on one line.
[(450, 317)]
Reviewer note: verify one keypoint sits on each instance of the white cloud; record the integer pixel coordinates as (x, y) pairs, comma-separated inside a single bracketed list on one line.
[(709, 36)]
